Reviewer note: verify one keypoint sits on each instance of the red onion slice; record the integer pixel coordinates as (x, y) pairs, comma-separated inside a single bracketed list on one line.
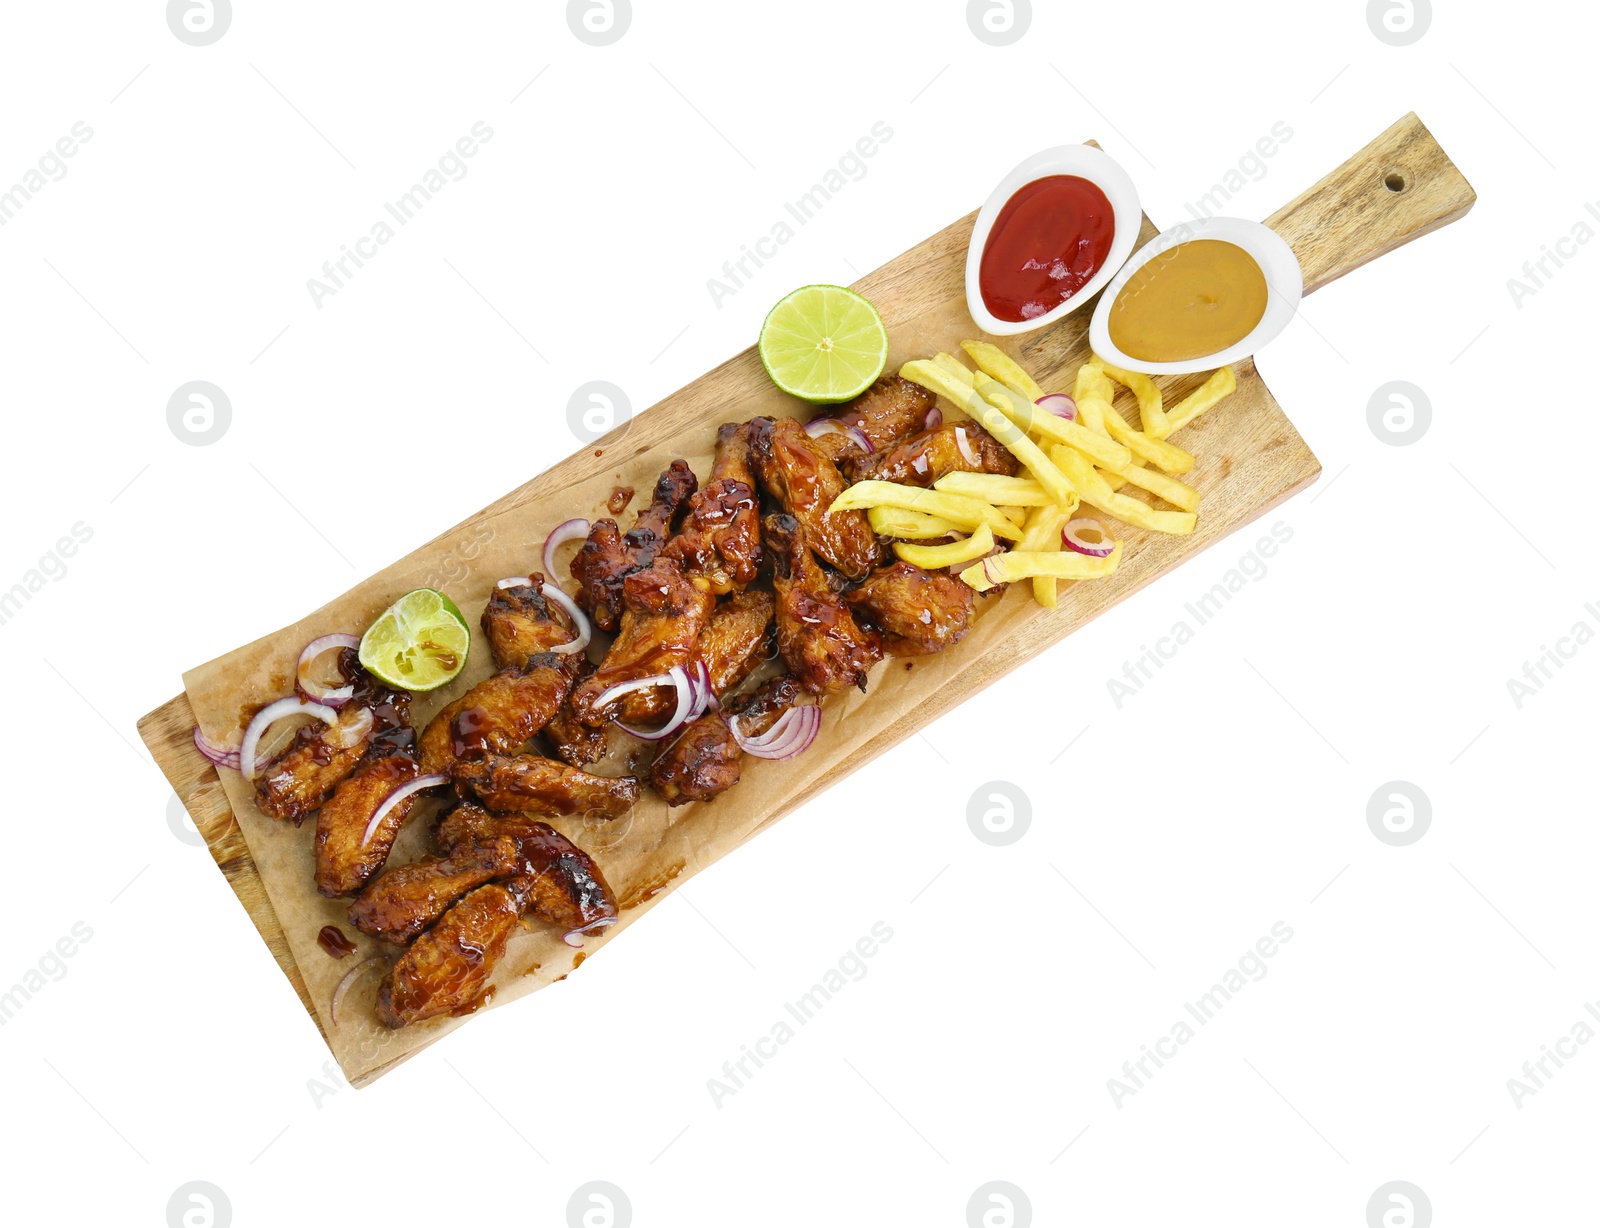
[(574, 938), (967, 453), (343, 987), (819, 427), (395, 798), (794, 731), (934, 420), (218, 756), (1072, 537), (990, 572), (1059, 404), (567, 531), (690, 703), (580, 620), (514, 582), (919, 462), (332, 696), (271, 714)]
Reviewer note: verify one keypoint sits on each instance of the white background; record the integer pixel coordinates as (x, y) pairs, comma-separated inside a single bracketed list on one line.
[(1231, 793)]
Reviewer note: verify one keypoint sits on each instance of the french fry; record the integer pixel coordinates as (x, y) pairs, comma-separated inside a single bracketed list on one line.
[(1043, 533), (996, 489), (1151, 415), (938, 380), (1177, 493), (898, 522), (963, 512), (1029, 417), (1221, 383), (1095, 491), (954, 367), (1016, 515), (1095, 394), (963, 551), (1093, 382), (997, 364), (1022, 564)]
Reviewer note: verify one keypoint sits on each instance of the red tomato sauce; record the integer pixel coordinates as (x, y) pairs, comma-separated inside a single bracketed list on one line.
[(1051, 237)]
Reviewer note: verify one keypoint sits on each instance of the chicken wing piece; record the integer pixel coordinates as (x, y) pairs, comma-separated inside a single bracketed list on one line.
[(704, 761), (928, 455), (498, 715), (561, 882), (886, 413), (608, 557), (320, 756), (345, 859), (919, 612), (404, 900), (721, 534), (665, 614), (806, 483), (574, 742), (736, 640), (519, 624), (818, 637), (447, 970), (534, 785)]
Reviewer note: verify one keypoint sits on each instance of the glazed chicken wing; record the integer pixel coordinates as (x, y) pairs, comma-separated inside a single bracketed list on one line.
[(721, 534), (447, 970), (735, 641), (320, 756), (885, 413), (928, 455), (919, 612), (704, 760), (345, 858), (818, 637), (498, 715), (404, 900), (562, 883), (806, 483), (609, 556), (665, 613), (534, 785), (520, 624), (574, 742)]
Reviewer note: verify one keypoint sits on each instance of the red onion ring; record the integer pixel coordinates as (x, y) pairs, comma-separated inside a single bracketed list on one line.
[(343, 987), (217, 756), (395, 797), (574, 938), (967, 453), (514, 582), (1072, 537), (818, 427), (919, 462), (793, 732), (989, 572), (271, 714), (569, 530), (692, 694), (1059, 404), (934, 420), (580, 620), (332, 696)]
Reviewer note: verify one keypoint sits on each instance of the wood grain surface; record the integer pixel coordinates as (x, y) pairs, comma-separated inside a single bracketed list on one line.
[(1398, 188)]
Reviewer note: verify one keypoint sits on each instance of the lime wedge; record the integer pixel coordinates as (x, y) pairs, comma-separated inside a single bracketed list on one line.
[(417, 644), (824, 344)]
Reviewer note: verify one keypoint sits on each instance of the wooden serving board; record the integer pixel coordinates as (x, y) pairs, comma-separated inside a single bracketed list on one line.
[(1250, 459)]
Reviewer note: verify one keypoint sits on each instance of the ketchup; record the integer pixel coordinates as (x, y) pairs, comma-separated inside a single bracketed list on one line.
[(1051, 237)]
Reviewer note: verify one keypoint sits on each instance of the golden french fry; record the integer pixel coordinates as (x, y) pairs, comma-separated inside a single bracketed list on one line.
[(963, 551), (1221, 383), (963, 512), (938, 380), (1095, 394), (1093, 382), (997, 364), (898, 522), (952, 365), (1029, 417), (995, 488), (1148, 395), (1095, 491), (1016, 515), (1043, 533), (1177, 493), (1022, 564)]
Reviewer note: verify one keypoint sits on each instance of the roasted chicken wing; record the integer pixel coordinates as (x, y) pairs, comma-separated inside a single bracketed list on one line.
[(704, 760), (885, 413), (345, 858), (447, 970), (609, 556), (320, 756), (721, 534), (818, 637), (919, 612), (806, 483), (574, 742), (737, 638), (404, 900), (498, 715), (928, 455), (534, 785), (520, 624)]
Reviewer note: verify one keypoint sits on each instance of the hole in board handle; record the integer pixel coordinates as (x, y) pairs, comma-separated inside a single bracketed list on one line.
[(1396, 181)]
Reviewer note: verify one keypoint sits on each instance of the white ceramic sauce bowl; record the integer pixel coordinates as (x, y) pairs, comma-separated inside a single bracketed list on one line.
[(1087, 162), (1278, 264)]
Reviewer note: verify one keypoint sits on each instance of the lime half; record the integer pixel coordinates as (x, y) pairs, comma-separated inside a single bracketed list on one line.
[(824, 344), (417, 644)]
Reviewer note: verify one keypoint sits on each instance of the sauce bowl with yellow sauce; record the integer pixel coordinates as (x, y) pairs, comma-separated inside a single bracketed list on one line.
[(1198, 296)]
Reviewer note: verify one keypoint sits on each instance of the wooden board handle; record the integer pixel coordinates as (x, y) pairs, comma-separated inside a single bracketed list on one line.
[(1398, 188)]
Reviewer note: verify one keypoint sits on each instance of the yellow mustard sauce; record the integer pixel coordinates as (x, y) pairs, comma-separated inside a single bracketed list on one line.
[(1194, 299)]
